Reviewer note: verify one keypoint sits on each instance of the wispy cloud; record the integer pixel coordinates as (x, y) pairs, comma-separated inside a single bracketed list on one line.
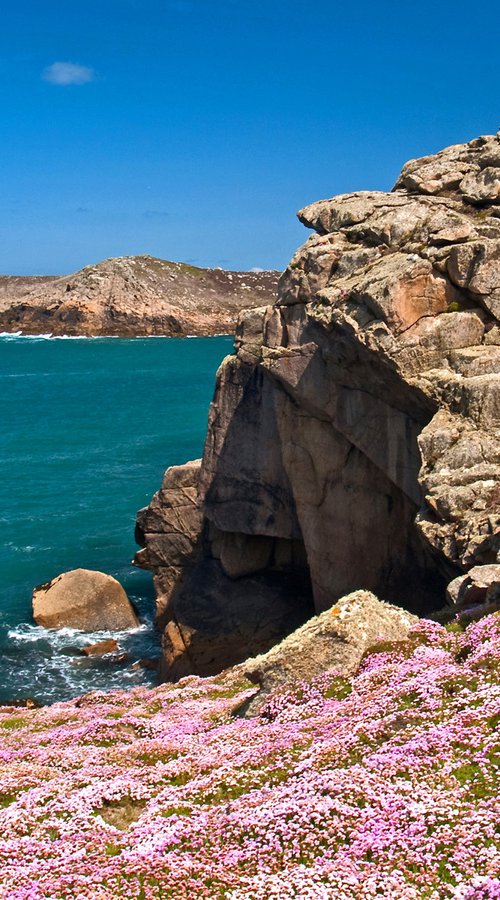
[(64, 73), (155, 214)]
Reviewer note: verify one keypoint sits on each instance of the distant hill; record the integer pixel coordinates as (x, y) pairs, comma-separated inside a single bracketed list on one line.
[(133, 295)]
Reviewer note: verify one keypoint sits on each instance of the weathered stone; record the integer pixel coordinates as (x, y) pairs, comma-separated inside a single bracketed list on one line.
[(480, 587), (401, 290), (492, 336), (469, 171), (335, 640), (310, 268), (170, 530), (172, 521), (89, 601), (23, 703), (476, 266), (151, 664), (252, 494), (482, 187), (250, 329)]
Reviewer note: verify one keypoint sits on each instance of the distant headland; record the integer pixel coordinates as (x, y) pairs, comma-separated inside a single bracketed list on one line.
[(133, 296)]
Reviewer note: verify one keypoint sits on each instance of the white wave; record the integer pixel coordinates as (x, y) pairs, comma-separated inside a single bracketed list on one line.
[(20, 336), (27, 375), (28, 633), (219, 334)]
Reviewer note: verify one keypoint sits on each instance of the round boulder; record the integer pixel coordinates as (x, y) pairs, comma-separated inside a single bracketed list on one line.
[(89, 601)]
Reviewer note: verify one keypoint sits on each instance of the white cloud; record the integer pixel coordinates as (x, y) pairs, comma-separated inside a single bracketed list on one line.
[(64, 73), (257, 270)]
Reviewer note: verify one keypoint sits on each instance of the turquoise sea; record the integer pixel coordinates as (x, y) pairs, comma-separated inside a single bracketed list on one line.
[(88, 425)]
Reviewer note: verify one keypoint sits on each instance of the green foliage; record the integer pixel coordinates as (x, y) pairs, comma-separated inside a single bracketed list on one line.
[(494, 721), (15, 722), (112, 849), (339, 690), (177, 811)]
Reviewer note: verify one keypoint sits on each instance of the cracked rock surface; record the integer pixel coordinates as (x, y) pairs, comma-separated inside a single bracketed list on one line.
[(355, 432)]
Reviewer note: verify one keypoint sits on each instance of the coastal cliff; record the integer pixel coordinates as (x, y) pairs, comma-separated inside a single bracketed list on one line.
[(132, 296), (353, 438)]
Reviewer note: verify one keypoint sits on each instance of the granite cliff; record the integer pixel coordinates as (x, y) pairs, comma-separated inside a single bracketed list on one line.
[(133, 295), (353, 438)]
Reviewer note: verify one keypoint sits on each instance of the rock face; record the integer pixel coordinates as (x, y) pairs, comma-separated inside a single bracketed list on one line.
[(476, 593), (211, 618), (134, 295), (89, 601), (353, 439), (336, 639)]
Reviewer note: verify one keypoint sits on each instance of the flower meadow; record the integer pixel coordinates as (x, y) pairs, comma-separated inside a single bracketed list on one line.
[(384, 785)]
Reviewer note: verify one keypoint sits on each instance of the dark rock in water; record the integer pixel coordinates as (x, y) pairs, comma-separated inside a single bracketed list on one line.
[(102, 661), (353, 440), (336, 639), (100, 648), (151, 664), (89, 601)]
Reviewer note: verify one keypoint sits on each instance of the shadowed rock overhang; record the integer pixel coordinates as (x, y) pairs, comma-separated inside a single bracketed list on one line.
[(353, 439)]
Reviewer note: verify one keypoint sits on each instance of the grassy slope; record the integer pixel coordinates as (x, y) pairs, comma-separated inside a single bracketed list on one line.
[(385, 786)]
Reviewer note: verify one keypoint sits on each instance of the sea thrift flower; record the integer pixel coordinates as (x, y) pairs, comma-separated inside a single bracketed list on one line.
[(384, 785)]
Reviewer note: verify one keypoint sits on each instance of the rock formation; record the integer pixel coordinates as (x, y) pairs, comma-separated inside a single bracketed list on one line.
[(130, 296), (337, 640), (475, 594), (353, 439), (89, 601)]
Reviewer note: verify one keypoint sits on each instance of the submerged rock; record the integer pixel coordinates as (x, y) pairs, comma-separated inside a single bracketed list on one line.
[(354, 437), (101, 648), (89, 601)]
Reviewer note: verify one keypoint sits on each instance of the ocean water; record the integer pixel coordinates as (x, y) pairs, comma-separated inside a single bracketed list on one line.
[(88, 425)]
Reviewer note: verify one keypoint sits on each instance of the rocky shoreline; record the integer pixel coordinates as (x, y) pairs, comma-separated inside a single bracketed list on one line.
[(353, 449)]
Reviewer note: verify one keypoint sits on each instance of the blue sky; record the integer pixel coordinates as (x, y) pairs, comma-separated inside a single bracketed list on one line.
[(194, 129)]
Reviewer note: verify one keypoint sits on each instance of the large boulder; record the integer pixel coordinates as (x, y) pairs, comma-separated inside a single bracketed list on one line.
[(354, 436), (337, 639), (83, 599)]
